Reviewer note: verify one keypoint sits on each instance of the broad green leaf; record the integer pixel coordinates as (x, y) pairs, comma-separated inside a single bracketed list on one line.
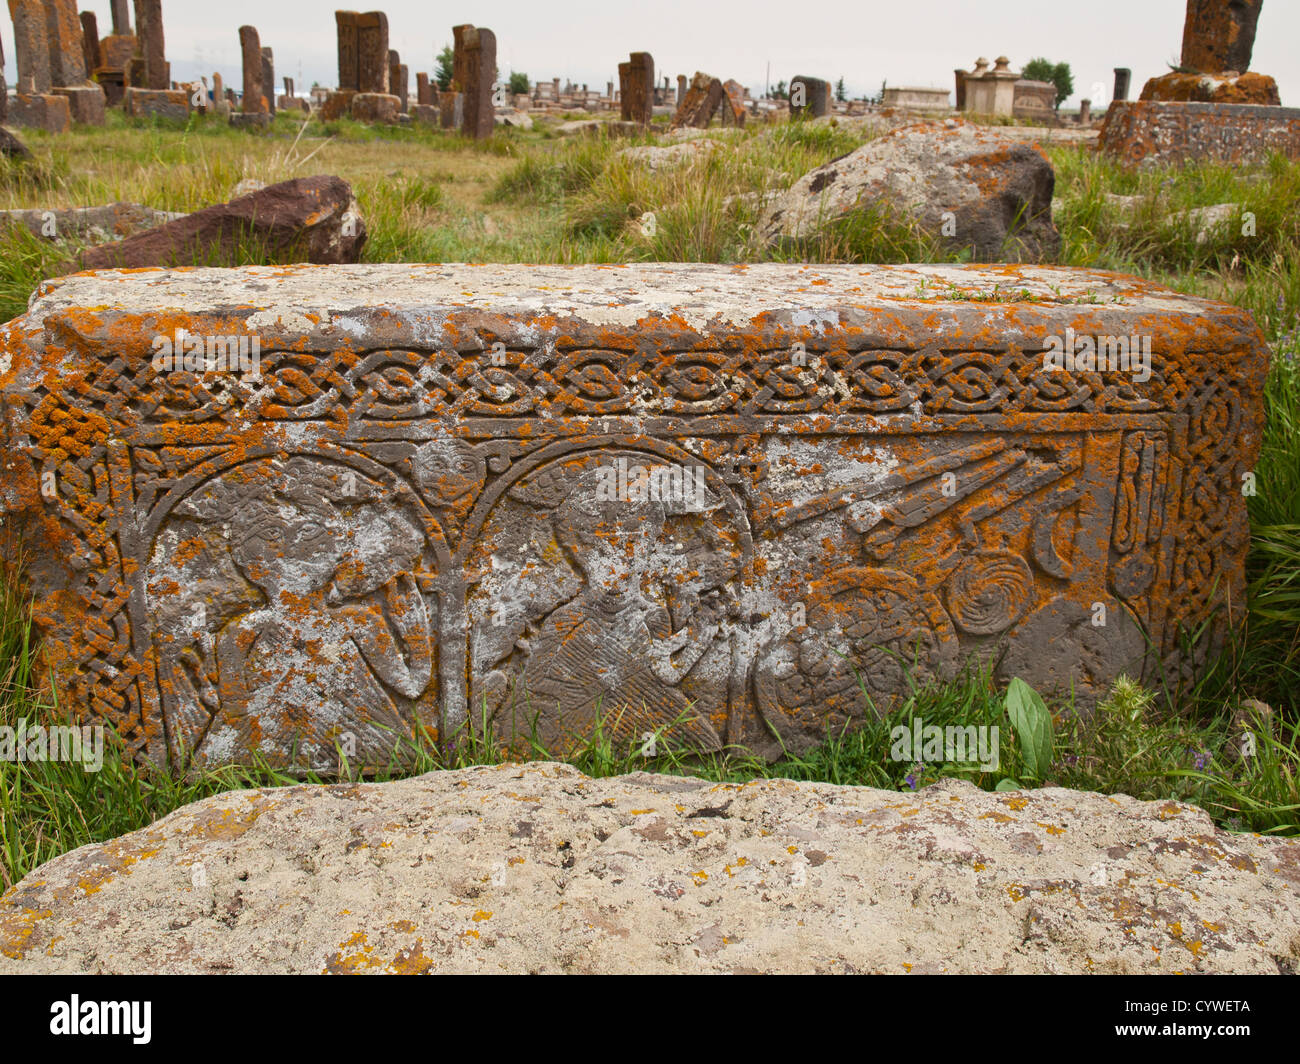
[(1033, 724)]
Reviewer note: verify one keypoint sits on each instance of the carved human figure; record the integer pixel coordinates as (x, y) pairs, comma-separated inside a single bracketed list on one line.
[(613, 650), (342, 632)]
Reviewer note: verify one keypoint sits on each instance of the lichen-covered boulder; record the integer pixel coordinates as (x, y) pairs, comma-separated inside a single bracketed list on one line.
[(537, 868), (967, 186), (311, 513)]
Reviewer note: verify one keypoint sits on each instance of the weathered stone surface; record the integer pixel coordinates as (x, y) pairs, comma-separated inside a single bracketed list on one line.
[(113, 221), (268, 79), (810, 96), (315, 217), (480, 67), (1213, 88), (1153, 133), (337, 105), (1219, 35), (666, 157), (456, 486), (86, 103), (159, 103), (12, 146), (31, 46), (40, 111), (149, 31), (701, 101), (965, 183), (636, 79), (375, 107), (90, 42), (537, 868), (250, 47)]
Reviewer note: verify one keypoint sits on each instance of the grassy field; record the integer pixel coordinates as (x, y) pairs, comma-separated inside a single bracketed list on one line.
[(539, 197)]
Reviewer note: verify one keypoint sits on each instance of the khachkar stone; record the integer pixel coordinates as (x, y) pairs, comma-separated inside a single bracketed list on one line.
[(810, 96), (371, 101), (332, 509), (1219, 35), (68, 71), (149, 30), (121, 18), (253, 111), (1154, 133), (1218, 38), (90, 41), (480, 50), (268, 79), (1123, 78), (636, 82), (34, 105)]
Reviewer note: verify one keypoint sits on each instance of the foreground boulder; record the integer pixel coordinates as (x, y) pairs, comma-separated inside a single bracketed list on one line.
[(308, 219), (303, 513), (537, 868), (965, 185)]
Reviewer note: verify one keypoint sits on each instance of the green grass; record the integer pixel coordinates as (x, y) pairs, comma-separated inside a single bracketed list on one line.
[(539, 197)]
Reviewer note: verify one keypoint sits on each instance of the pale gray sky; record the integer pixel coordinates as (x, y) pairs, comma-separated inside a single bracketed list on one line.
[(903, 42)]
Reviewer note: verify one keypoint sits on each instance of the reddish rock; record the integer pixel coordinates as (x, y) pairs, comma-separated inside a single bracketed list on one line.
[(1219, 35), (1213, 88), (308, 219)]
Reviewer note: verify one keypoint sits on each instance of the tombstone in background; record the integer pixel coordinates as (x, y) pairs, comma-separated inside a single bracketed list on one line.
[(373, 101), (480, 71), (115, 54), (959, 76), (1218, 39), (35, 105), (1219, 35), (68, 73), (636, 81), (1035, 100), (363, 68), (268, 79), (423, 90), (149, 31), (681, 89), (705, 97), (1230, 115), (399, 78), (1085, 112), (90, 42), (809, 97), (121, 10), (253, 109), (220, 104), (1123, 78)]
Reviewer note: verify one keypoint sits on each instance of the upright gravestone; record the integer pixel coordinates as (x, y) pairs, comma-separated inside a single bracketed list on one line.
[(399, 80), (636, 80), (810, 96), (1219, 35), (480, 73), (68, 71), (423, 90), (220, 103), (373, 101), (1213, 108), (268, 79), (1123, 79), (34, 105), (121, 18), (253, 110), (149, 30), (90, 42)]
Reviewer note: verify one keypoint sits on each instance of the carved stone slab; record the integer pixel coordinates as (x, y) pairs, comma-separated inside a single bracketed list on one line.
[(740, 504)]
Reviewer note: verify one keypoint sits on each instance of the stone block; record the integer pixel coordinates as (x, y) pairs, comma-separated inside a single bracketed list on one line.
[(337, 104), (1213, 88), (86, 103), (1154, 133), (250, 119), (160, 103), (375, 107), (40, 111), (427, 114), (321, 508)]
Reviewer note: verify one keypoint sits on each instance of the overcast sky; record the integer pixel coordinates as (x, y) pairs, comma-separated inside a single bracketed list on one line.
[(902, 42)]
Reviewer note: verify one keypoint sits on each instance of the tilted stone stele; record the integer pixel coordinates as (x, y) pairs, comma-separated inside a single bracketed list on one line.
[(731, 504)]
